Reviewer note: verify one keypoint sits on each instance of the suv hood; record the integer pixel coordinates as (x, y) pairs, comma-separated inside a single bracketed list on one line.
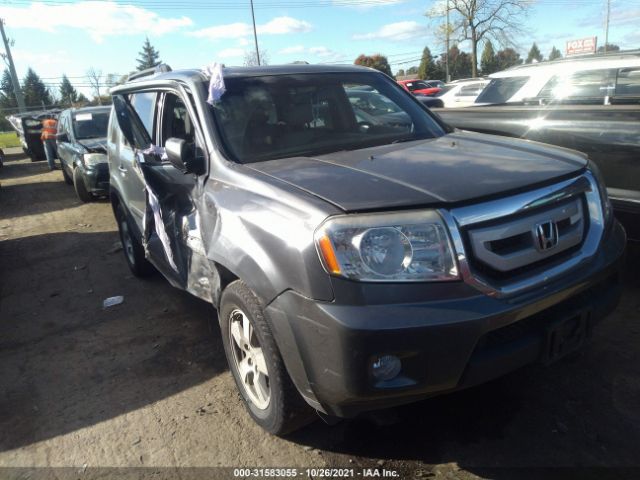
[(95, 145), (454, 168)]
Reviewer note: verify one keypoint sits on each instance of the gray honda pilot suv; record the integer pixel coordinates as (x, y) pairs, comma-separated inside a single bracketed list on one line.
[(360, 255)]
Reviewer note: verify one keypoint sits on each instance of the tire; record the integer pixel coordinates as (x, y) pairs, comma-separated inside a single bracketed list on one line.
[(80, 187), (67, 179), (285, 410), (131, 246)]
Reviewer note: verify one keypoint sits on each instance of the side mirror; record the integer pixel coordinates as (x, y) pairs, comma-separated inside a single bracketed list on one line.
[(62, 138), (183, 157)]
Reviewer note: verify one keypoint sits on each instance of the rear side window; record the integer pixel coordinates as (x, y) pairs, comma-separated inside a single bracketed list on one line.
[(628, 82), (500, 90), (144, 105), (588, 84), (470, 90)]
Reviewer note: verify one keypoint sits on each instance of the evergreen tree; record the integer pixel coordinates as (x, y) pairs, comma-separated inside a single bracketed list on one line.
[(412, 71), (611, 47), (400, 73), (460, 64), (426, 70), (148, 57), (555, 54), (7, 95), (507, 58), (34, 91), (534, 54), (377, 61), (68, 94), (488, 63)]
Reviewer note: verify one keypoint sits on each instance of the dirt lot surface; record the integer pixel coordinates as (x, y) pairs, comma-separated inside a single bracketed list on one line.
[(145, 383)]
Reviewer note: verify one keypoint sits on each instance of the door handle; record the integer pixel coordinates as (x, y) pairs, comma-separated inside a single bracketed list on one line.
[(122, 169)]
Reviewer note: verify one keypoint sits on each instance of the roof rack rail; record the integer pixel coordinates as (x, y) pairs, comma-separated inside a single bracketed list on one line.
[(160, 68)]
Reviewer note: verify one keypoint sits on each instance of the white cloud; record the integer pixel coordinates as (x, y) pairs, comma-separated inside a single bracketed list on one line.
[(230, 53), (284, 25), (276, 26), (98, 19), (292, 50), (396, 32), (321, 52), (231, 30), (365, 5)]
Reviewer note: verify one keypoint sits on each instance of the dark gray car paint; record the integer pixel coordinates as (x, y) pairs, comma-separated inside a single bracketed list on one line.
[(609, 134), (422, 173), (257, 222)]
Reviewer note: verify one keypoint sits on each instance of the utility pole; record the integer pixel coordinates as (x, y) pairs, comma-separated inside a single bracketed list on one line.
[(606, 28), (446, 55), (12, 70), (255, 35)]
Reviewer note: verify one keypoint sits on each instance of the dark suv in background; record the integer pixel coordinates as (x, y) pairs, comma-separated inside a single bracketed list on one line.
[(357, 265), (82, 151)]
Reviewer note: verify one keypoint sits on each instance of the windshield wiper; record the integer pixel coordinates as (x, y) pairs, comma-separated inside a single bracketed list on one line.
[(409, 139)]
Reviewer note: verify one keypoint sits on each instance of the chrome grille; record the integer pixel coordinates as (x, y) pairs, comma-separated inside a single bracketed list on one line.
[(512, 243), (577, 204)]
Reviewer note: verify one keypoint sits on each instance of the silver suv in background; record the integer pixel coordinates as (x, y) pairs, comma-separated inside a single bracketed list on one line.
[(581, 79), (356, 265)]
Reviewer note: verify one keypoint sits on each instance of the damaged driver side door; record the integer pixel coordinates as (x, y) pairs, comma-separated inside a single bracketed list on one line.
[(173, 184)]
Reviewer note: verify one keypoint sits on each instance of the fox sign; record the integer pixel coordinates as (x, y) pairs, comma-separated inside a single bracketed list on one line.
[(582, 45)]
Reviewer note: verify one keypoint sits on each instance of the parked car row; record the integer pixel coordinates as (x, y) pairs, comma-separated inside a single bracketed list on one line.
[(587, 104), (360, 252)]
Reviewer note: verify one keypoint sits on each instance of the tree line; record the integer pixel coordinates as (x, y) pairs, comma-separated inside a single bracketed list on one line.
[(461, 63), (39, 94)]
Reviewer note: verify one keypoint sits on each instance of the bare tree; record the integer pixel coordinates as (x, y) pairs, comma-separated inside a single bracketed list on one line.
[(94, 76), (478, 20), (251, 59)]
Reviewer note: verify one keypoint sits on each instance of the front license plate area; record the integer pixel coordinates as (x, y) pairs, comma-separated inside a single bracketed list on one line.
[(566, 336)]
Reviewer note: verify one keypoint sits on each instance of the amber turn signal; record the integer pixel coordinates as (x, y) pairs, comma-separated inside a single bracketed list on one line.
[(329, 255)]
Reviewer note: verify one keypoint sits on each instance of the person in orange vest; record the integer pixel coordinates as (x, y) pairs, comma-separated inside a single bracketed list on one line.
[(48, 137)]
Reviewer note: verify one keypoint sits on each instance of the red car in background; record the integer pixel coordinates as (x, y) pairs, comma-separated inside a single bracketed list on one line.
[(421, 87)]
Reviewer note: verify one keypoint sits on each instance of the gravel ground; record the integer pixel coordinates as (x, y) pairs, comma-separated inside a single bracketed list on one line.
[(145, 383)]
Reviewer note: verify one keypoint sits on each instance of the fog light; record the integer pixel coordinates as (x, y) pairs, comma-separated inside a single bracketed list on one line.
[(386, 367)]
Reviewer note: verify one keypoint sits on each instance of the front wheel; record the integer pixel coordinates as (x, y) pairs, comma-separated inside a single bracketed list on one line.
[(67, 179), (257, 367), (80, 187), (133, 250)]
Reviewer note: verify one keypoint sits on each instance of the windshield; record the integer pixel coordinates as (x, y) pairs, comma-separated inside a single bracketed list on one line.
[(90, 125), (500, 90), (279, 116), (417, 85)]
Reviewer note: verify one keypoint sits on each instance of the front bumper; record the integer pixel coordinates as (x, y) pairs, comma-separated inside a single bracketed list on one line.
[(96, 178), (453, 338)]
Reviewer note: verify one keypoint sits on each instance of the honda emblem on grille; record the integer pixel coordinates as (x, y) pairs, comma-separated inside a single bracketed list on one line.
[(545, 235)]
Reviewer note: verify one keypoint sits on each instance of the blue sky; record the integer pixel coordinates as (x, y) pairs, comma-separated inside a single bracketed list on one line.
[(63, 36)]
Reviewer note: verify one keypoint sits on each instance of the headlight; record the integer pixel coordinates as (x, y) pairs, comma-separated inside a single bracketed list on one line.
[(91, 159), (401, 247), (607, 209)]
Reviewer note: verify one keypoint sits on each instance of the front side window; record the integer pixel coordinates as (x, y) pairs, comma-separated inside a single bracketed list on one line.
[(587, 84), (263, 118), (176, 122), (500, 90), (628, 82)]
